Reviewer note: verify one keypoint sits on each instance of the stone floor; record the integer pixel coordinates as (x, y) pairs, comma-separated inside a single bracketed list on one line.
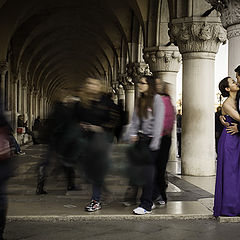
[(188, 197)]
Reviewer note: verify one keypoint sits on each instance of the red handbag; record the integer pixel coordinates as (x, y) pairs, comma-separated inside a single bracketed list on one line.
[(21, 130)]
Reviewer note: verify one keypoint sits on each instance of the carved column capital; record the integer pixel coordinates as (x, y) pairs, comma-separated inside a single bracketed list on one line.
[(24, 85), (125, 81), (163, 59), (35, 93), (135, 70), (195, 35), (230, 15), (3, 67)]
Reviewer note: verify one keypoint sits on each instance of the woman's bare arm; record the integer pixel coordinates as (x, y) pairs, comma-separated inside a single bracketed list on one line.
[(229, 110)]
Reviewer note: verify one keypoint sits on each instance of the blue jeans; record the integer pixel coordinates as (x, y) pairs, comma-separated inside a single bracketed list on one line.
[(96, 192)]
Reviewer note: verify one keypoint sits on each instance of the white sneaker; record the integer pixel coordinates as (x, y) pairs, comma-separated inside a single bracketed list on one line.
[(141, 211), (162, 203), (154, 206)]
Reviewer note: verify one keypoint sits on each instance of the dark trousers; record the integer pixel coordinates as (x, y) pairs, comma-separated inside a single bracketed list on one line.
[(161, 165), (42, 171), (179, 140), (96, 188), (70, 175), (147, 188), (3, 206)]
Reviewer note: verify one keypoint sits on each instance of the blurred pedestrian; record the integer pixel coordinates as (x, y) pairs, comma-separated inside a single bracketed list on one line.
[(179, 133), (146, 132), (5, 170), (96, 120), (60, 132), (160, 185)]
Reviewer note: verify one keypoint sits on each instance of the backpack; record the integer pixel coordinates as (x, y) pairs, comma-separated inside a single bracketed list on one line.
[(169, 117)]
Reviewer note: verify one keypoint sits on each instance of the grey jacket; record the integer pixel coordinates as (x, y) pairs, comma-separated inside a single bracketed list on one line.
[(152, 125)]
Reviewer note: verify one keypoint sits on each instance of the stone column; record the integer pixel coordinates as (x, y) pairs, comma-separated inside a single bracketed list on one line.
[(120, 89), (3, 70), (129, 98), (121, 94), (35, 104), (164, 63), (41, 108), (128, 87), (14, 81), (230, 16), (30, 108), (24, 99), (198, 43), (45, 107)]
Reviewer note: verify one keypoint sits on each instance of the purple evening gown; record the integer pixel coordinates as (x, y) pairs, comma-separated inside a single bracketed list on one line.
[(227, 189)]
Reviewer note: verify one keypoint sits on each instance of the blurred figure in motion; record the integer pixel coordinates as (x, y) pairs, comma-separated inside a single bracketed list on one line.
[(160, 185), (97, 119), (123, 120), (179, 133), (36, 129), (145, 132), (60, 135), (5, 170)]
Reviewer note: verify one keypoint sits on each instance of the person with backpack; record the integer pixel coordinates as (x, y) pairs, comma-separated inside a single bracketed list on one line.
[(145, 133), (159, 191)]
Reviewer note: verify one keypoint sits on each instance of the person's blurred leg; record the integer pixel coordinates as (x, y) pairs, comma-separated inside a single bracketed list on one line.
[(3, 207)]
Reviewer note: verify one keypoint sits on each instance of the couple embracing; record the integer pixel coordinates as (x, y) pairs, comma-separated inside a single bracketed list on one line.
[(227, 190)]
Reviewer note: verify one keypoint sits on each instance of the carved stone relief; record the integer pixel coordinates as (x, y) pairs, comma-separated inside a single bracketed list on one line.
[(197, 36), (163, 58), (229, 9)]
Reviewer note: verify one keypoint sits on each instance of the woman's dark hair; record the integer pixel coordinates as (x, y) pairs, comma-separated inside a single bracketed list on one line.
[(222, 87), (146, 99), (237, 70)]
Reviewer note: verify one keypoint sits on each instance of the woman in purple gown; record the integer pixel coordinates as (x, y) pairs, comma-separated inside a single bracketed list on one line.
[(227, 190)]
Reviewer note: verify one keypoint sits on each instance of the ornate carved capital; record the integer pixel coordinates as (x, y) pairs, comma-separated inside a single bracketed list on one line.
[(125, 81), (229, 9), (35, 93), (194, 35), (163, 59), (135, 70), (24, 85), (3, 67)]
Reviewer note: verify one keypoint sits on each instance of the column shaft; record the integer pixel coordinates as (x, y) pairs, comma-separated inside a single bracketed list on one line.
[(129, 97), (198, 154), (14, 106)]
